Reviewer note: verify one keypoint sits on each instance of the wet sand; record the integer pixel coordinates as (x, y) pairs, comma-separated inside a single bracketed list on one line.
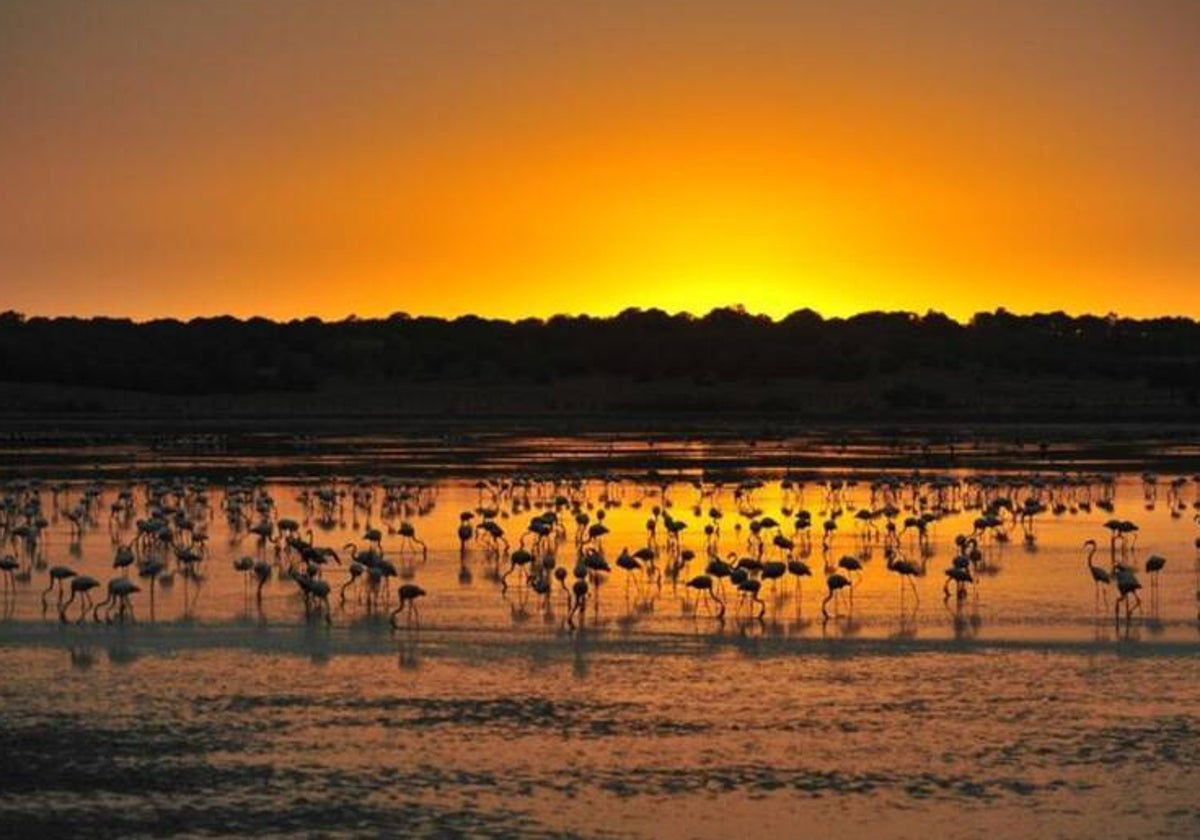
[(569, 741)]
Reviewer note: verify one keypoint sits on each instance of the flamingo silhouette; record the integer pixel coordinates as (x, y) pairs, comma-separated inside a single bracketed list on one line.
[(834, 584), (1128, 586), (81, 586), (704, 585), (1100, 577), (58, 576), (408, 593), (907, 572), (120, 590)]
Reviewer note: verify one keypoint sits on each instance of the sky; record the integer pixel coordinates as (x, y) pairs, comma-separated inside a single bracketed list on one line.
[(512, 158)]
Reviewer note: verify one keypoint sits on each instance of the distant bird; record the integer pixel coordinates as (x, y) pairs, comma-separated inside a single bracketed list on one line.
[(316, 593), (245, 565), (262, 573), (799, 570), (834, 583), (149, 570), (120, 590), (579, 592), (750, 588), (774, 570), (1128, 586), (1100, 576), (356, 570), (9, 566), (58, 576), (850, 565), (81, 586), (1155, 564), (124, 558), (907, 571), (961, 576), (408, 594), (704, 585), (465, 532)]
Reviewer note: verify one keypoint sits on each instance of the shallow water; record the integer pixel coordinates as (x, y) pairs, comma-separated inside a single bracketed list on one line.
[(570, 740), (1024, 709), (1039, 590)]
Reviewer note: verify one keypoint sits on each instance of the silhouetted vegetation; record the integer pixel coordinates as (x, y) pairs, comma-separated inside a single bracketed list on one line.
[(209, 355), (227, 355)]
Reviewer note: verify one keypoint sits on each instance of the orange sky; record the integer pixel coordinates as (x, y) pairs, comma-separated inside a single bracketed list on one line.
[(512, 158)]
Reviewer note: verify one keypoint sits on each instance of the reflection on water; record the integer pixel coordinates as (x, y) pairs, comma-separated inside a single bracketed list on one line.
[(959, 556), (666, 655), (595, 737)]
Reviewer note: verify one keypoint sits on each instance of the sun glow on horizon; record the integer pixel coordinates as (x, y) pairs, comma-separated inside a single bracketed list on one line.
[(530, 159)]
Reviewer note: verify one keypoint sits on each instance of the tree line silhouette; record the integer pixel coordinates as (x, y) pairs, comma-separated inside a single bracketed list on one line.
[(229, 355)]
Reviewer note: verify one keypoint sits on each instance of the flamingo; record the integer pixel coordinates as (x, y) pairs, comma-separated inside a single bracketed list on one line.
[(9, 566), (374, 537), (1100, 577), (798, 569), (579, 602), (58, 576), (631, 566), (750, 587), (408, 593), (907, 571), (961, 575), (120, 590), (465, 531), (829, 527), (356, 570), (262, 572), (1127, 585), (317, 590), (1154, 565), (244, 565), (774, 570), (408, 534), (834, 583), (704, 585), (560, 575), (851, 566), (521, 558), (149, 570), (124, 558), (1123, 529), (81, 586)]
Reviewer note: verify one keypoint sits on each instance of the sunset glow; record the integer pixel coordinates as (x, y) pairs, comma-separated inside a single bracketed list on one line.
[(518, 159), (652, 419)]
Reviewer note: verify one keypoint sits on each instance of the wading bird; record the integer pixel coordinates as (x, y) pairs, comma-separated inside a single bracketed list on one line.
[(834, 584), (408, 594)]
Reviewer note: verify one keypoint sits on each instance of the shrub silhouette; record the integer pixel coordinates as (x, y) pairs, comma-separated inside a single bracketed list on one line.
[(728, 345)]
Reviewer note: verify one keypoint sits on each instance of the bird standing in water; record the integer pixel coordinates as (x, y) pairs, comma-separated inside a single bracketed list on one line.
[(834, 584), (408, 594)]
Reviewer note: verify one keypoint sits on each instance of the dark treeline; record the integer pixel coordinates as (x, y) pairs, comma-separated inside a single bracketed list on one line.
[(228, 355)]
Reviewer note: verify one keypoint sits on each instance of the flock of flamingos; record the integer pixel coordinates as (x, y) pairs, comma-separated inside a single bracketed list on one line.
[(544, 543)]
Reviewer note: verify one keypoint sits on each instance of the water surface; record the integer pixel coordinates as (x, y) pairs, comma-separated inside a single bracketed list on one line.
[(1023, 709)]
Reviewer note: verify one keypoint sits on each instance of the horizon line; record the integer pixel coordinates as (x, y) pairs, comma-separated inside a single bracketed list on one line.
[(738, 309)]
